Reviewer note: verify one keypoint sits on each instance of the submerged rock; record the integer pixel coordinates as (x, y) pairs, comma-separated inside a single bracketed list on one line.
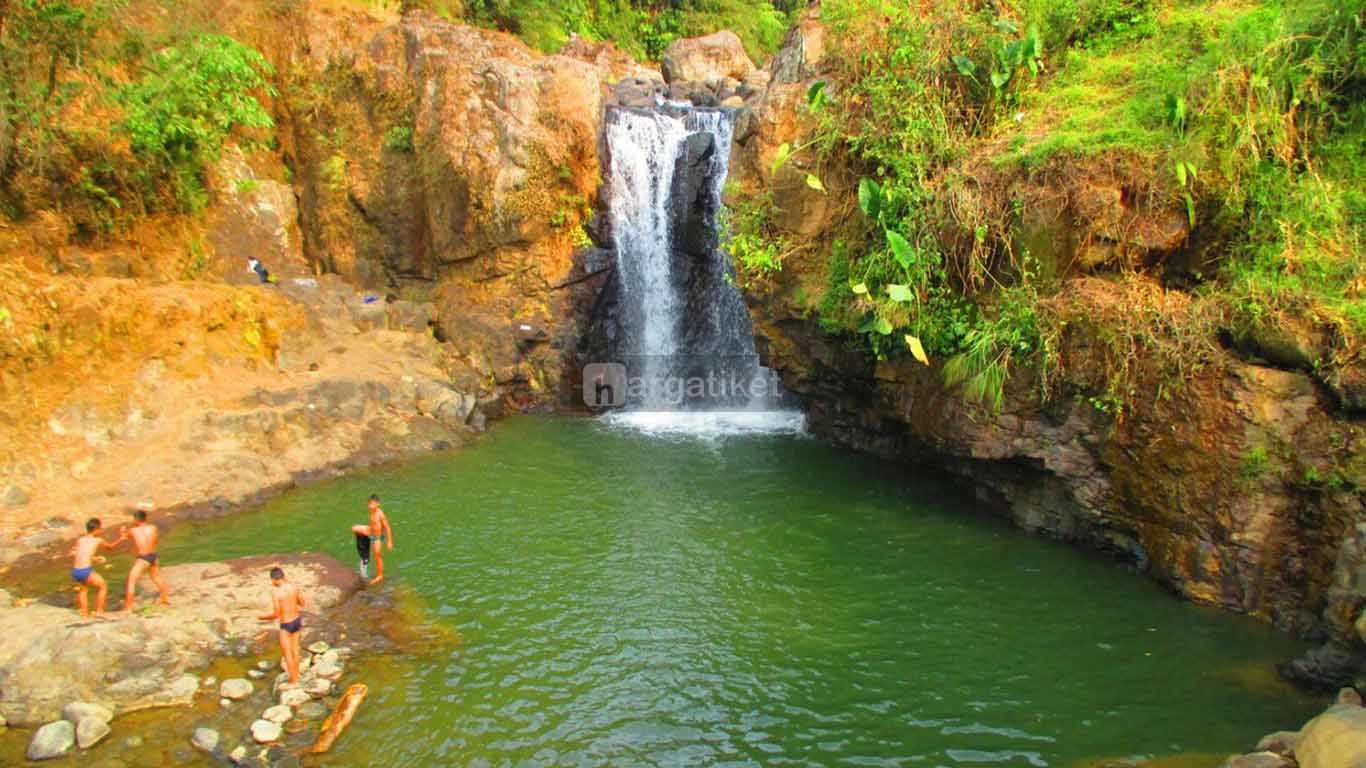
[(52, 740), (205, 739), (236, 689), (278, 714), (265, 732)]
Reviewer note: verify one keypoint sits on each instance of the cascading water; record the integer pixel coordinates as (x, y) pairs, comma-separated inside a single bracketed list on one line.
[(686, 342)]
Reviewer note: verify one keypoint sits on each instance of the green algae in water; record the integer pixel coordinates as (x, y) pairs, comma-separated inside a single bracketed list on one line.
[(626, 600)]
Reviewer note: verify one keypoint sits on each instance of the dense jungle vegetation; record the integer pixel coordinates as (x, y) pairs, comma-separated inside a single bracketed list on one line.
[(1248, 117)]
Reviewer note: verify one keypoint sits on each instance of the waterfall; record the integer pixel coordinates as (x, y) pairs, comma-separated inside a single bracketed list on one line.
[(686, 342)]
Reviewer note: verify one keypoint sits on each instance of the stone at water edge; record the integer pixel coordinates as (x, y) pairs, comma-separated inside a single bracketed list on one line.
[(294, 697), (1280, 742), (205, 739), (278, 714), (236, 689), (266, 665), (264, 731), (256, 674), (209, 681), (91, 731), (225, 702), (77, 711), (1258, 760), (318, 687), (318, 647), (238, 755), (52, 740), (1334, 739)]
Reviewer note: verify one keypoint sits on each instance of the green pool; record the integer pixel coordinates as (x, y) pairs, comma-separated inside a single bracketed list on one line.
[(758, 600)]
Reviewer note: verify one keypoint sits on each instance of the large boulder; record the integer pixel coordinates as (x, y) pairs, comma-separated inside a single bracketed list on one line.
[(254, 217), (1334, 739), (711, 57), (133, 663), (803, 49)]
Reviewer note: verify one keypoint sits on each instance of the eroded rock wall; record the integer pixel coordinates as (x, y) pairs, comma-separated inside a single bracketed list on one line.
[(1235, 483)]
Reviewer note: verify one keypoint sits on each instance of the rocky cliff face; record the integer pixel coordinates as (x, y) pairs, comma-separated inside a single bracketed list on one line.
[(1235, 483)]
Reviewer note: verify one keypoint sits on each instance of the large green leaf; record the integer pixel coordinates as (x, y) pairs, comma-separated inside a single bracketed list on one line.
[(784, 151), (883, 326), (815, 95), (901, 249), (917, 350), (869, 198), (901, 293), (999, 78), (965, 66)]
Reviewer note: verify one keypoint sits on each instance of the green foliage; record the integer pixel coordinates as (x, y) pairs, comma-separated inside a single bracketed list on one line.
[(1256, 461), (189, 98), (40, 41), (399, 138), (748, 235), (642, 28), (1254, 110), (1013, 333)]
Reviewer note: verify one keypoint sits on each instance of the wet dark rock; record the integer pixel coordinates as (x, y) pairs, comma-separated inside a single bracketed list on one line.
[(693, 212), (1327, 667)]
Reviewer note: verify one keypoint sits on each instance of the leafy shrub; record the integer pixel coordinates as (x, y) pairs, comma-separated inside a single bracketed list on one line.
[(188, 100), (399, 138)]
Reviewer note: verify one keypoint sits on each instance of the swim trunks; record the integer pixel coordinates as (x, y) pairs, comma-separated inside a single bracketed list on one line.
[(150, 557), (293, 627), (79, 575)]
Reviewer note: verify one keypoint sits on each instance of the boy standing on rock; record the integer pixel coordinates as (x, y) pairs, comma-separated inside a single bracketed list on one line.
[(380, 535), (144, 536), (286, 600), (83, 568)]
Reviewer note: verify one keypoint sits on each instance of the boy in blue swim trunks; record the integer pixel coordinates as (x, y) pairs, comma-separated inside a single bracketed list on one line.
[(83, 568), (286, 601)]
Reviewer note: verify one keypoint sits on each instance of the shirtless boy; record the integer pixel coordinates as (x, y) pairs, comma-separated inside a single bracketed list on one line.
[(380, 534), (83, 568), (286, 602), (144, 536)]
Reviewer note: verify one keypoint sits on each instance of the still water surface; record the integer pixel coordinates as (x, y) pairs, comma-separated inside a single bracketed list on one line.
[(756, 600)]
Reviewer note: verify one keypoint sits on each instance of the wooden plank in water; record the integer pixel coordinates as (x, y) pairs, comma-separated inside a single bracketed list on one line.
[(340, 718)]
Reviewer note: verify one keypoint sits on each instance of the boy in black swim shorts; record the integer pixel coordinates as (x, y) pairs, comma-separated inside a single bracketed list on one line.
[(287, 600)]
